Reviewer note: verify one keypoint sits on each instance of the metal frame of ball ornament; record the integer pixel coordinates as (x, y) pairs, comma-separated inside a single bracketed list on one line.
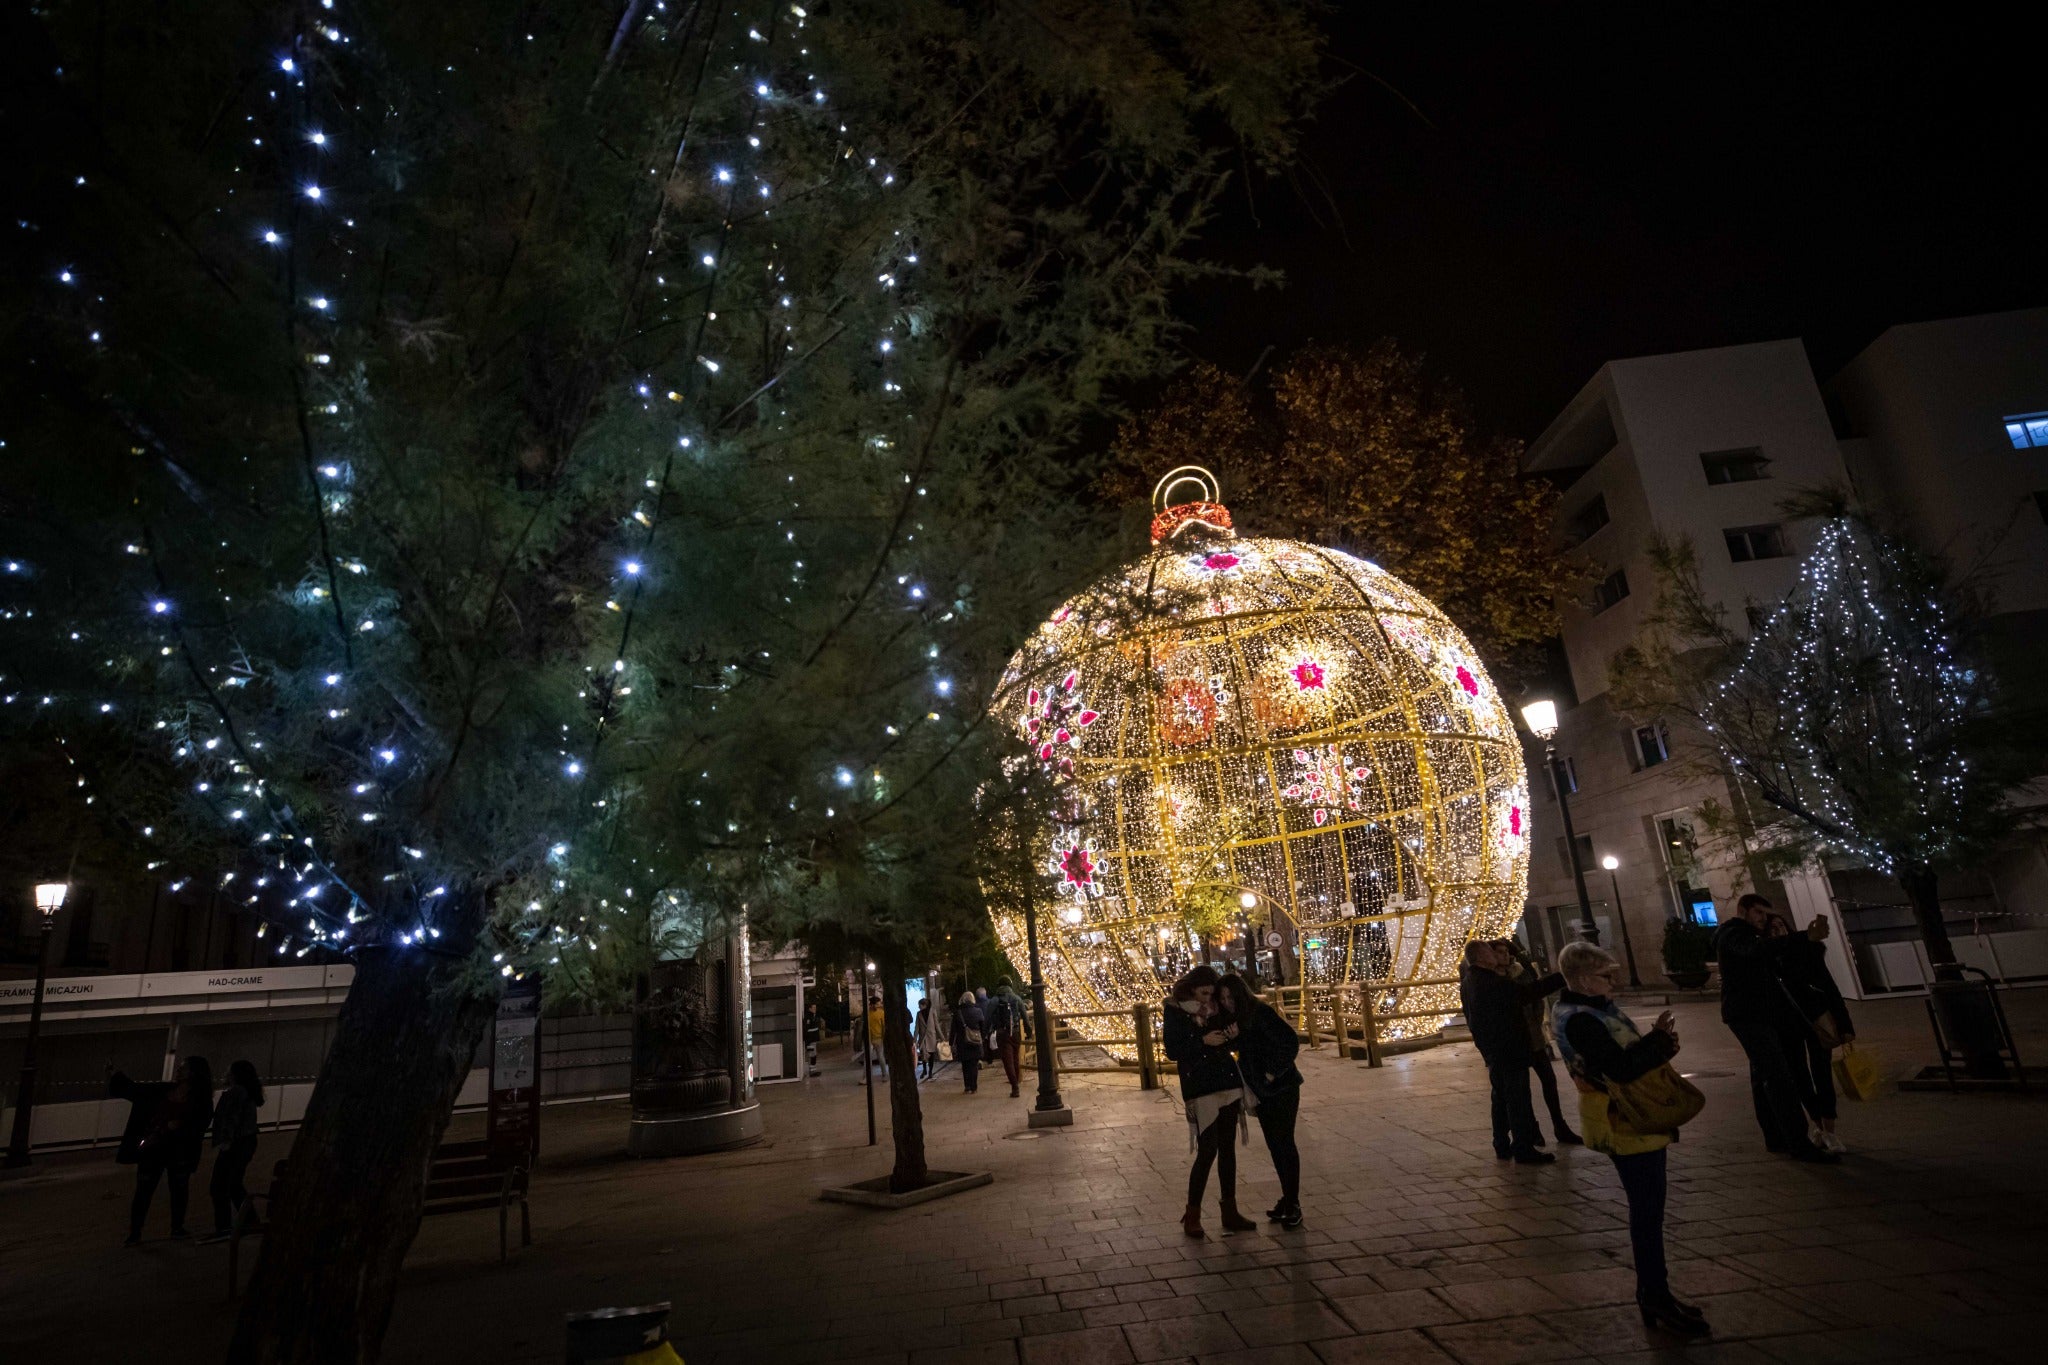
[(1280, 717)]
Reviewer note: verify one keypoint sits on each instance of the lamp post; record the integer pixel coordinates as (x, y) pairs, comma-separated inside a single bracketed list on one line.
[(50, 897), (1628, 947), (867, 1054), (1541, 718)]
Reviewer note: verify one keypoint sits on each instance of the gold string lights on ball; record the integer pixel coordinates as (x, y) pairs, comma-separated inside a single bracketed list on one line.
[(1267, 736)]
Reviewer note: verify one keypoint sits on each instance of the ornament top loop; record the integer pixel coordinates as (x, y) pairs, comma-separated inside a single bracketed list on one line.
[(1171, 517)]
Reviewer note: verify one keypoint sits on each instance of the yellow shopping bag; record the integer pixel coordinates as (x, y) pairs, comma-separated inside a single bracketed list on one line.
[(1858, 1074)]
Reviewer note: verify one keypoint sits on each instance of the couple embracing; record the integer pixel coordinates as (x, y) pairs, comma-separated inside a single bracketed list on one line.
[(1236, 1057)]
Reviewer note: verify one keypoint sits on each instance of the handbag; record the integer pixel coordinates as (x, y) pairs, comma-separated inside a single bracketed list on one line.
[(1659, 1101), (1858, 1073), (1823, 1024)]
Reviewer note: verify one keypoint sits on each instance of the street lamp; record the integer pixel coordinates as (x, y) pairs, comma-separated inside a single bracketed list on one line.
[(50, 898), (1628, 947), (1541, 718)]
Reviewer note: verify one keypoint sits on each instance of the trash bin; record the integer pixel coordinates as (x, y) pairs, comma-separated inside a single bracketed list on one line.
[(620, 1336)]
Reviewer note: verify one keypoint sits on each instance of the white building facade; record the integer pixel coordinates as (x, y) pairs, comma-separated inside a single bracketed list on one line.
[(1703, 446)]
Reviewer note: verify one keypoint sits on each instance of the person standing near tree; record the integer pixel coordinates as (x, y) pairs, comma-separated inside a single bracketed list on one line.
[(1754, 1007), (926, 1034), (873, 1046), (969, 1038), (165, 1137), (235, 1129), (1266, 1048), (1494, 1005), (1525, 974), (1816, 1023), (1006, 1028)]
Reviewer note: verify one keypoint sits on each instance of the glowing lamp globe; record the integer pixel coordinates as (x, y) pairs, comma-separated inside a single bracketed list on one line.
[(1263, 735)]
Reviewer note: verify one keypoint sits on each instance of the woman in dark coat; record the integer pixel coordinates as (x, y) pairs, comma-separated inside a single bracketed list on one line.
[(1813, 1002), (1266, 1048), (969, 1036), (165, 1137), (235, 1129), (1198, 1039), (1601, 1044)]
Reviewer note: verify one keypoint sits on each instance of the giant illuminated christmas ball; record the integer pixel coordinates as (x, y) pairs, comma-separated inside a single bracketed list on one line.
[(1246, 733)]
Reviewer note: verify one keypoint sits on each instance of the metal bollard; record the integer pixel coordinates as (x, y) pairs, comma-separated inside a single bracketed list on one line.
[(1148, 1064), (619, 1336)]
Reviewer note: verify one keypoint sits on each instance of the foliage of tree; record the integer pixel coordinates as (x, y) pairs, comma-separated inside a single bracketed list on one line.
[(1365, 449), (1856, 717), (521, 492)]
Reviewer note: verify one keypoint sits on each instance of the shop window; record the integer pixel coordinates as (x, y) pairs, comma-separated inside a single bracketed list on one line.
[(1587, 520), (1650, 746), (2028, 431)]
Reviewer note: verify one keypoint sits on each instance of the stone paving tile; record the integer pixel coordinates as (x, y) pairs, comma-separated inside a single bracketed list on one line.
[(1503, 1341), (1088, 1346), (1177, 1338), (1383, 1348), (1500, 1298), (1396, 1309)]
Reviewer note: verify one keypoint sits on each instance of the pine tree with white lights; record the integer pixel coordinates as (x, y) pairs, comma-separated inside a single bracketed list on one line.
[(1859, 712), (478, 479)]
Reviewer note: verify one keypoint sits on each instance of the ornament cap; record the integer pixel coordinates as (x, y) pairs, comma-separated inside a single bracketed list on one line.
[(1170, 518)]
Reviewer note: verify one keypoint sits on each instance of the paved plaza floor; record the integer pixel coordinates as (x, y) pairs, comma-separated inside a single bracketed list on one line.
[(1930, 1242)]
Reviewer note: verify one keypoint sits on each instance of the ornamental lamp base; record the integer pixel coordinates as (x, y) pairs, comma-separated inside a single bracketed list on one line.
[(1061, 1117)]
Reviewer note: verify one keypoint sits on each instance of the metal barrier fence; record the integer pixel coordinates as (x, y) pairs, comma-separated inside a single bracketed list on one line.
[(1351, 1016)]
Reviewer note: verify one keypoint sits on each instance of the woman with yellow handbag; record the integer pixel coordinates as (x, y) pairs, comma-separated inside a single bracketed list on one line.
[(1631, 1104)]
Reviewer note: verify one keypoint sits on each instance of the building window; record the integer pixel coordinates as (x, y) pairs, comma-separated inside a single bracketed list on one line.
[(1566, 775), (1755, 542), (1587, 520), (1564, 854), (1735, 466), (2028, 431), (1651, 745), (1609, 590)]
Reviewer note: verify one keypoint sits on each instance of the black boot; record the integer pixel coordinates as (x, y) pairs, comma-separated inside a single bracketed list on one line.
[(1668, 1315)]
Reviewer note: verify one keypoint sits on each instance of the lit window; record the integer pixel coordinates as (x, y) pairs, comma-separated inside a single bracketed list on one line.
[(1609, 590), (1735, 466), (2028, 431), (1755, 542)]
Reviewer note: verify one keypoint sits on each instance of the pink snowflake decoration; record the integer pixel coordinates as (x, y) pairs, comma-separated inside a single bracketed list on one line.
[(1078, 866), (1515, 821), (1467, 681), (1219, 561), (1308, 676), (1057, 716), (1326, 785)]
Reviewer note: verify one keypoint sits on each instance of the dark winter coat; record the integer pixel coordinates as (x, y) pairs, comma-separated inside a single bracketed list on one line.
[(1496, 1011), (1204, 1070), (969, 1035), (1266, 1048), (1005, 1015), (1750, 960), (234, 1118), (1811, 986), (164, 1128)]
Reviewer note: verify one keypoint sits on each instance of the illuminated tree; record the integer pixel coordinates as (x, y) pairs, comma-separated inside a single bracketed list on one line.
[(481, 479), (1858, 716), (1365, 450)]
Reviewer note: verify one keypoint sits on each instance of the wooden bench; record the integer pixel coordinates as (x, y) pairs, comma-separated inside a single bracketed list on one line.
[(462, 1177)]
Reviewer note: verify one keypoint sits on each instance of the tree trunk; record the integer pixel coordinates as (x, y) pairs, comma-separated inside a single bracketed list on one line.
[(1923, 890), (906, 1114), (346, 1212)]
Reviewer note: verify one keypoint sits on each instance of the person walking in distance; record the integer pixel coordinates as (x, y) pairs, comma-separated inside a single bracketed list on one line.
[(1601, 1045), (1816, 1023), (1198, 1037), (926, 1033), (814, 1029), (1266, 1048), (165, 1137), (1006, 1028), (969, 1039), (1754, 1007), (234, 1143), (1537, 1015), (1494, 1010), (875, 1055)]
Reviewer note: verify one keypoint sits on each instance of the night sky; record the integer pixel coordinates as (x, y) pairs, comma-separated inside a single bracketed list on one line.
[(1594, 184)]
